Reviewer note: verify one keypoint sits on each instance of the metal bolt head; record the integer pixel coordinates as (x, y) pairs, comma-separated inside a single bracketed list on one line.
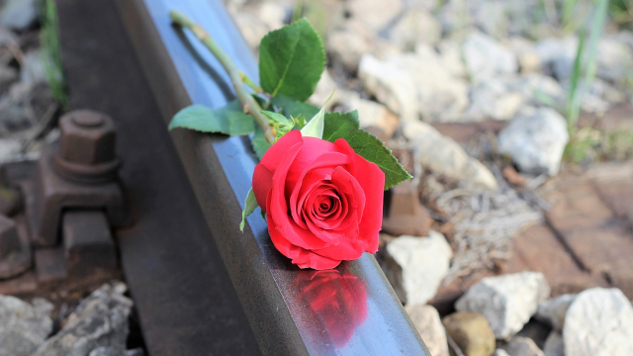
[(9, 240), (87, 137)]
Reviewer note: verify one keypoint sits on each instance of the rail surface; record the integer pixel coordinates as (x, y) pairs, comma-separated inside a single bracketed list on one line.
[(348, 311)]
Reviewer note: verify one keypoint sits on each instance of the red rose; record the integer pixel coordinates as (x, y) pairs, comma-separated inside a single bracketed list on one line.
[(336, 303), (323, 202)]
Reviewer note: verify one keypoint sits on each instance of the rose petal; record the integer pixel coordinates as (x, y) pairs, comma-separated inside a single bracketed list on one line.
[(299, 256), (372, 179), (313, 174), (277, 206), (272, 157), (262, 183)]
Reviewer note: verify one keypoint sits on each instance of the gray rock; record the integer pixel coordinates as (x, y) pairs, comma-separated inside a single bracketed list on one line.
[(615, 61), (348, 44), (441, 96), (42, 306), (554, 345), (19, 15), (101, 320), (22, 327), (493, 99), (8, 76), (613, 58), (415, 266), (451, 58), (552, 312), (10, 149), (506, 301), (391, 85), (415, 85), (522, 346), (535, 140), (377, 15), (25, 105), (428, 324), (599, 323), (445, 156), (371, 113), (471, 333), (535, 85), (105, 351), (135, 352), (500, 352), (253, 29), (523, 49), (110, 351), (557, 55), (415, 26), (33, 70), (486, 58)]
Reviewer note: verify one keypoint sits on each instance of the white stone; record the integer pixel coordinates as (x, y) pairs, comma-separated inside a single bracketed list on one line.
[(441, 96), (451, 58), (427, 322), (493, 99), (500, 352), (535, 140), (22, 327), (324, 89), (252, 28), (443, 155), (375, 14), (10, 149), (506, 301), (557, 55), (101, 320), (348, 44), (486, 58), (19, 15), (534, 85), (522, 346), (415, 85), (523, 49), (271, 13), (371, 113), (415, 26), (390, 84), (599, 323), (415, 266), (552, 312), (554, 344)]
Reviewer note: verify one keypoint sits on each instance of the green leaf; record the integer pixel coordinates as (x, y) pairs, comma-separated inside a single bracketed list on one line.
[(291, 60), (337, 125), (314, 127), (345, 125), (281, 123), (259, 142), (229, 120), (294, 108), (250, 204)]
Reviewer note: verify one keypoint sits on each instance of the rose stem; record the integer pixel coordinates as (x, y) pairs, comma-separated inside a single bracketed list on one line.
[(250, 83), (236, 75)]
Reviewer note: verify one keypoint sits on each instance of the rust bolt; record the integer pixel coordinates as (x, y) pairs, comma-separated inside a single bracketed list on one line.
[(87, 138)]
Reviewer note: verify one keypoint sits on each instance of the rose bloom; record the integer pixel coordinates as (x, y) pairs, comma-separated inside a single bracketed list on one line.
[(323, 202)]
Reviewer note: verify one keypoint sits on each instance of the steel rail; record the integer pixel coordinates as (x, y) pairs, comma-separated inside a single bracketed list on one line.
[(348, 311)]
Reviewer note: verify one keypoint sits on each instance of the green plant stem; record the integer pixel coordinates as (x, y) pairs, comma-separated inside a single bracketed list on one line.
[(235, 74), (250, 83)]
